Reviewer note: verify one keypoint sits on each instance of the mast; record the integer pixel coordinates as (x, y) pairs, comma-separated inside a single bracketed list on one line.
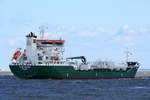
[(42, 31), (128, 53)]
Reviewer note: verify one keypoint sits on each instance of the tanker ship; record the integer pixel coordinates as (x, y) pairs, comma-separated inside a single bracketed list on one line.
[(43, 59)]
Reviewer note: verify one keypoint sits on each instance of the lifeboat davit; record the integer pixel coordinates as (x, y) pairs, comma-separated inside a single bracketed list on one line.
[(16, 55)]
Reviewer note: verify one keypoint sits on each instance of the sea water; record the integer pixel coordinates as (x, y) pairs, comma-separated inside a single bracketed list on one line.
[(12, 88)]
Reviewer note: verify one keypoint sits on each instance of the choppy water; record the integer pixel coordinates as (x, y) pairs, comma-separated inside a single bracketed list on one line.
[(12, 88)]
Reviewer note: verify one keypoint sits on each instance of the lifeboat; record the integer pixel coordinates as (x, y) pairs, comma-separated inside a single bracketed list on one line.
[(16, 55)]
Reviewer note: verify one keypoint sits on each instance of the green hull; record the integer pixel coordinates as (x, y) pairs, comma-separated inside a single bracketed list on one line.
[(68, 72)]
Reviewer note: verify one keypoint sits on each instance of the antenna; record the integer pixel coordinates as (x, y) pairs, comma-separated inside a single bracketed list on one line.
[(128, 53), (42, 31)]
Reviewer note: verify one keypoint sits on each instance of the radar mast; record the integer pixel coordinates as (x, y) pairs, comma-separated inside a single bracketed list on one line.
[(42, 31)]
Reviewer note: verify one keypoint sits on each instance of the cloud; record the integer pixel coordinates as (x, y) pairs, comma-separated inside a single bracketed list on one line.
[(128, 36), (16, 40), (125, 29), (125, 36), (125, 40), (144, 30), (89, 33)]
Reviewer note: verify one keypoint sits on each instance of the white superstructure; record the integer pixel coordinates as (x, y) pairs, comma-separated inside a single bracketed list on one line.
[(31, 49), (50, 52), (43, 51)]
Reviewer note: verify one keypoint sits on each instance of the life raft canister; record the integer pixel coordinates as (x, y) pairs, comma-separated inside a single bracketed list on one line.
[(16, 55)]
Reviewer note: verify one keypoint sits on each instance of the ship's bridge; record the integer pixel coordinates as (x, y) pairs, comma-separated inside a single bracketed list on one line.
[(50, 49), (51, 42)]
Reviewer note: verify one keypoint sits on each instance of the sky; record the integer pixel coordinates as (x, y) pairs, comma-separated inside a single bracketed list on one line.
[(96, 29)]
